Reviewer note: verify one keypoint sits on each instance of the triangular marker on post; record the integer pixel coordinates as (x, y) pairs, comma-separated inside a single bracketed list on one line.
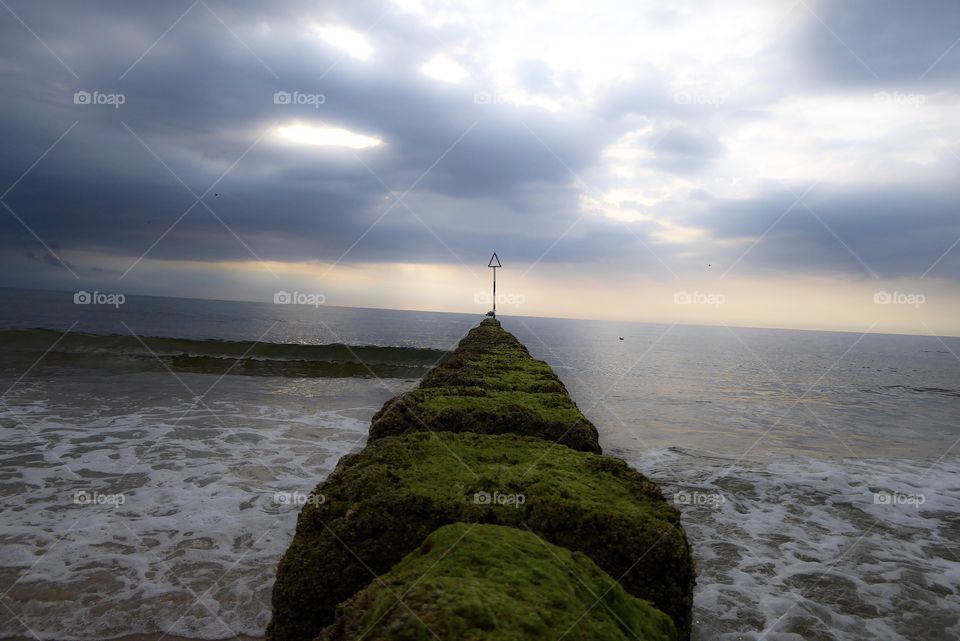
[(494, 262)]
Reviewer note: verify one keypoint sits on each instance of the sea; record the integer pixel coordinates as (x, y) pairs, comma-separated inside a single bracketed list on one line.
[(155, 453)]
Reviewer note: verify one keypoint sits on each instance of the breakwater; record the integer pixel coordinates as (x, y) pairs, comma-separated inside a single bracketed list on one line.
[(483, 508)]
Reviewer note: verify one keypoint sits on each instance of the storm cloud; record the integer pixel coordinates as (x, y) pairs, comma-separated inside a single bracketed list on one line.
[(150, 129)]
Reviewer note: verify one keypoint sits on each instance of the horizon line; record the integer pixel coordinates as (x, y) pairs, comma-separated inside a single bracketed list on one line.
[(567, 318)]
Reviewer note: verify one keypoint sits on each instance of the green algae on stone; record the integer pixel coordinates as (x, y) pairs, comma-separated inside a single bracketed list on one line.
[(469, 582), (489, 385), (384, 501)]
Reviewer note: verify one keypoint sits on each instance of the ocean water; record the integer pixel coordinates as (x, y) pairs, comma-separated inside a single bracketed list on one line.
[(154, 456)]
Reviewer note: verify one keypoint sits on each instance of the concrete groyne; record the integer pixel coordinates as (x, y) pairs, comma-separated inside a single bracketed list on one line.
[(482, 508)]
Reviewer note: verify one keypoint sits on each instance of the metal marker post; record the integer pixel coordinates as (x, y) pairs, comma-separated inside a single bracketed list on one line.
[(494, 263)]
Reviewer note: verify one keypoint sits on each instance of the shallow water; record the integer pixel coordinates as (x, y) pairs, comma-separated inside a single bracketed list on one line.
[(816, 472), (798, 548), (141, 511)]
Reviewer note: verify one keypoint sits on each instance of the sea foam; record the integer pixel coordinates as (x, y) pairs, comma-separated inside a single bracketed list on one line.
[(794, 548), (142, 511)]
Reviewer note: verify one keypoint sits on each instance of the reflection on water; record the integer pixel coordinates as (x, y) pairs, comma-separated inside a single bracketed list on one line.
[(737, 390)]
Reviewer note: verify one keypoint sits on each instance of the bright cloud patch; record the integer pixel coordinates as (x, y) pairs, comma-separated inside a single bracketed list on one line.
[(353, 42), (443, 68), (326, 136)]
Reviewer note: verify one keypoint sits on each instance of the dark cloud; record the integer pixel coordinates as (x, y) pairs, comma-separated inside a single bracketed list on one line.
[(482, 175), (199, 99), (891, 232), (881, 42)]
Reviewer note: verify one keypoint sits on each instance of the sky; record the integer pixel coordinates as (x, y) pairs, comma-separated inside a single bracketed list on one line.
[(767, 163)]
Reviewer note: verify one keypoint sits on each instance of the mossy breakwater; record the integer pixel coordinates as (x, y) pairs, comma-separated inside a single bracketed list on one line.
[(482, 508)]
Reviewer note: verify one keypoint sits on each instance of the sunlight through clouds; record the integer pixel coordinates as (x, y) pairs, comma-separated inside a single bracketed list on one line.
[(767, 138), (352, 42), (442, 67), (324, 136)]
